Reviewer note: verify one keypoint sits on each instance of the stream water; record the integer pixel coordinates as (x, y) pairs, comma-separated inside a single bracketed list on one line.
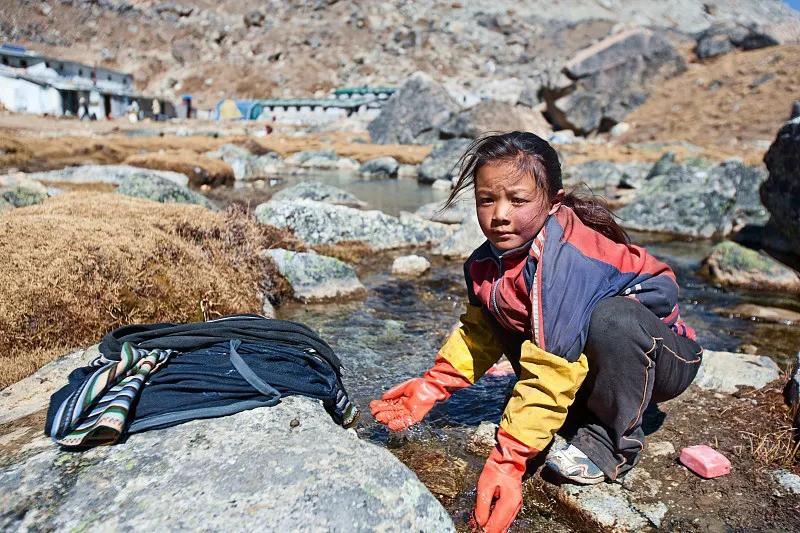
[(394, 333)]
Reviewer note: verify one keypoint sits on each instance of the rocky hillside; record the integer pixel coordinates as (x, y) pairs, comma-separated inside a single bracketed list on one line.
[(299, 47)]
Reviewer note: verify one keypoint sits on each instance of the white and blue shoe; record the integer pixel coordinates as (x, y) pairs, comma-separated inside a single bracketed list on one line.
[(573, 465)]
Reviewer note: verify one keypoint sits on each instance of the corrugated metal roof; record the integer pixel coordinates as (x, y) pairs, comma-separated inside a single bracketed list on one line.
[(315, 102), (365, 90)]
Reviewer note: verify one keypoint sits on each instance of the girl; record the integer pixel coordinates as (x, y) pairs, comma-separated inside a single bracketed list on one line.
[(559, 290)]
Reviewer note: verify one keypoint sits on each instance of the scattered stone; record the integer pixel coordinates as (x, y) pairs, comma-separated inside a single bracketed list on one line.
[(408, 171), (442, 162), (492, 116), (697, 199), (357, 486), (322, 223), (319, 192), (381, 166), (705, 461), (158, 189), (659, 449), (603, 177), (723, 37), (254, 18), (410, 265), (781, 191), (245, 164), (482, 440), (762, 313), (563, 137), (620, 129), (315, 277), (610, 79), (788, 481), (734, 265), (414, 114), (726, 371), (19, 190)]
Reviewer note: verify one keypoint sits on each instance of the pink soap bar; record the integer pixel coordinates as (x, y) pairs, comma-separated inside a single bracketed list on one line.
[(705, 461)]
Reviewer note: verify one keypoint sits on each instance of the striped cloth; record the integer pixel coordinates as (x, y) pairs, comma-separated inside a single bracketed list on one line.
[(96, 413)]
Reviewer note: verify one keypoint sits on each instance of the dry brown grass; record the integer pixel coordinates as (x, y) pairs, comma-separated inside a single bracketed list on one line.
[(741, 96), (81, 264), (201, 170), (346, 145)]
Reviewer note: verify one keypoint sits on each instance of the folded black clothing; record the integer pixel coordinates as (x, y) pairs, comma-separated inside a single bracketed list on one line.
[(234, 364)]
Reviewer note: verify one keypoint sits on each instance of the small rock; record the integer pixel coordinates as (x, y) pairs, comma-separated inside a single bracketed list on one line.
[(790, 482), (620, 129), (294, 423), (410, 265), (562, 137), (254, 18), (315, 277), (386, 166), (408, 171), (726, 371), (482, 441), (705, 461), (658, 449), (442, 185)]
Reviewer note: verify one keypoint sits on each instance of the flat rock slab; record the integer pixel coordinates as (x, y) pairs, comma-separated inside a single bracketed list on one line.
[(251, 471), (612, 506), (316, 277), (727, 371), (323, 223), (320, 192)]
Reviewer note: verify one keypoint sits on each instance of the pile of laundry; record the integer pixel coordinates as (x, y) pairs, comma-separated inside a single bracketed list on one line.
[(154, 376)]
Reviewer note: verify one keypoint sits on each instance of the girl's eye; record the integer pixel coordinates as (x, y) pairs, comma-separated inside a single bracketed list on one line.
[(485, 201), (519, 201)]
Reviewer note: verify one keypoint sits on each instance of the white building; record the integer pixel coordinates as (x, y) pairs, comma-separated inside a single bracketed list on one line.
[(32, 83)]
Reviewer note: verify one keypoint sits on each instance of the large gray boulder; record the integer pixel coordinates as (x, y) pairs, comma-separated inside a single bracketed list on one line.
[(385, 166), (322, 223), (493, 116), (442, 162), (781, 191), (697, 199), (414, 114), (282, 468), (113, 174), (315, 277), (604, 176), (150, 187), (610, 79), (319, 192), (734, 265)]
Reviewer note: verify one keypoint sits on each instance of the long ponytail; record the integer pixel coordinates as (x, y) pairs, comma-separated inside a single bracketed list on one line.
[(534, 156)]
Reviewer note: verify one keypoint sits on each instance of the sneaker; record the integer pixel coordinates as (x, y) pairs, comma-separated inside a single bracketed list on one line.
[(572, 464)]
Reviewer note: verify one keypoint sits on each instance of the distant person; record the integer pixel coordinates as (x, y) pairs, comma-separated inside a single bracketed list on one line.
[(156, 109), (579, 312), (83, 108), (133, 112)]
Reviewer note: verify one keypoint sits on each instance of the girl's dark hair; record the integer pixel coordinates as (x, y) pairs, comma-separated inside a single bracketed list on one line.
[(533, 156)]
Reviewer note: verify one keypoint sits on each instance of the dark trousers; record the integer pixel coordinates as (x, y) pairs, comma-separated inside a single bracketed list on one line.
[(634, 359)]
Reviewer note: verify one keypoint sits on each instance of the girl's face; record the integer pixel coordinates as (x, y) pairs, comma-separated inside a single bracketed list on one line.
[(511, 208)]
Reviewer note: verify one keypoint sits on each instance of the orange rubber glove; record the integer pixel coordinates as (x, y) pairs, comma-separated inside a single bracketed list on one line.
[(501, 483), (407, 403)]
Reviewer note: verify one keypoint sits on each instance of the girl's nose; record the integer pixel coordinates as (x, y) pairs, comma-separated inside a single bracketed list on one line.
[(500, 212)]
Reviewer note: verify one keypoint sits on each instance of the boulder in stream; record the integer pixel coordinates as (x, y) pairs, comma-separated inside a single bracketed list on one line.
[(380, 166), (410, 265), (734, 265), (315, 277)]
